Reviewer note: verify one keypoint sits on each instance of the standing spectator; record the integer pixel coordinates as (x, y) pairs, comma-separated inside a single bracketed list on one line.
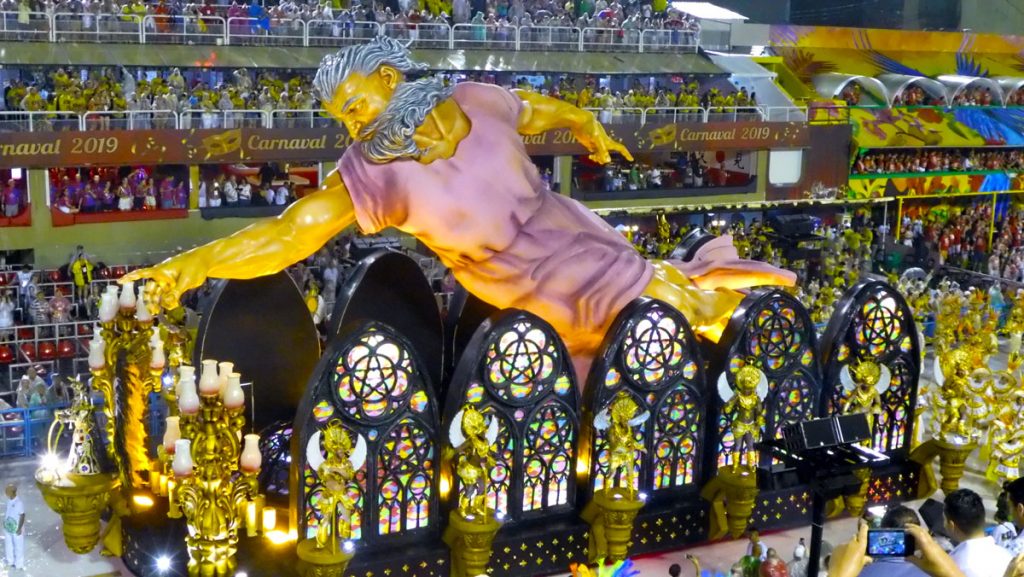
[(60, 307), (6, 316), (11, 200), (244, 193), (29, 382), (230, 192), (40, 309), (14, 527), (26, 286)]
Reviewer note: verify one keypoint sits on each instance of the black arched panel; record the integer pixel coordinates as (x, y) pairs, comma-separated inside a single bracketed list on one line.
[(651, 353), (466, 312), (872, 320), (516, 369), (263, 326), (371, 379), (389, 287), (775, 329)]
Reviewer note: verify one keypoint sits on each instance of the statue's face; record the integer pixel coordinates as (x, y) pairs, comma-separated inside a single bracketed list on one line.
[(360, 99)]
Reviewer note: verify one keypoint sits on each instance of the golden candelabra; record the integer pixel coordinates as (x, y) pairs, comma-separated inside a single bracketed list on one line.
[(126, 358), (214, 475)]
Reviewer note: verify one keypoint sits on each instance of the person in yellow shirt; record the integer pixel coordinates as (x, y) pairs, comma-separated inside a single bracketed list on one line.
[(81, 273)]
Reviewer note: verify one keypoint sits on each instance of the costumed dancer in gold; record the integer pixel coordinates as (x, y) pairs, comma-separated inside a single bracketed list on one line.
[(951, 402), (865, 381)]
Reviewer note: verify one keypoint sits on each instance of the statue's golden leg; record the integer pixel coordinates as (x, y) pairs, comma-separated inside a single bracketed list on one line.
[(708, 311)]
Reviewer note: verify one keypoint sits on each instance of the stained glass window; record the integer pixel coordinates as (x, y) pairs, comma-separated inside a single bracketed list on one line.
[(881, 328), (654, 358), (372, 379), (377, 390), (778, 332), (404, 470), (547, 454), (654, 348), (521, 377), (521, 362), (676, 440)]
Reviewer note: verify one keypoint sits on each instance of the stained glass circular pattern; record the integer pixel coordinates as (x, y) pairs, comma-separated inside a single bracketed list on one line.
[(776, 335), (878, 325), (654, 348), (522, 363), (372, 378)]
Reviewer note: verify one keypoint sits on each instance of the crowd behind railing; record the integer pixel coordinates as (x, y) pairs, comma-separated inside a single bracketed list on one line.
[(549, 26)]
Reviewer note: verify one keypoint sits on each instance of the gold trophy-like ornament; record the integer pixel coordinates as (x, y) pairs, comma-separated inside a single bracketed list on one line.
[(955, 437), (215, 476), (733, 491), (76, 487), (329, 554), (472, 525), (614, 508), (864, 381)]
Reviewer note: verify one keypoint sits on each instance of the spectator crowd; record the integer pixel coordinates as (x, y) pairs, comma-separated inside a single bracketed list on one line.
[(925, 160), (122, 190)]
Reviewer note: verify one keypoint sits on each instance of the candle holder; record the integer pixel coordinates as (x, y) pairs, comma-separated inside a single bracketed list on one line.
[(215, 476), (127, 361), (76, 487)]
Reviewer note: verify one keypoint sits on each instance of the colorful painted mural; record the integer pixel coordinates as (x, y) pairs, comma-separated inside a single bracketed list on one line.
[(867, 187), (810, 50), (933, 126)]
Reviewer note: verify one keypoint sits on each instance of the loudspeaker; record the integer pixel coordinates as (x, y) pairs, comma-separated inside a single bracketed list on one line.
[(824, 433), (792, 225)]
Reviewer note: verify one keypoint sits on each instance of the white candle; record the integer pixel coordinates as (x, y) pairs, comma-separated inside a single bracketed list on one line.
[(127, 300), (185, 373), (209, 382), (232, 393), (108, 304), (142, 312), (171, 434), (182, 464), (97, 353), (157, 359), (251, 458), (226, 369), (188, 400)]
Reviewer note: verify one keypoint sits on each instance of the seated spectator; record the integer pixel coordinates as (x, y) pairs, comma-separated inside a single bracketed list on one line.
[(29, 383), (977, 555)]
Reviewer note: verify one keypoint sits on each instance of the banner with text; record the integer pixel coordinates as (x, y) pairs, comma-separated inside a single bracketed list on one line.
[(201, 146)]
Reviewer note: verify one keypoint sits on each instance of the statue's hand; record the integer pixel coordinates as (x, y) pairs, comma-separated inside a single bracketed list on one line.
[(593, 136), (171, 278)]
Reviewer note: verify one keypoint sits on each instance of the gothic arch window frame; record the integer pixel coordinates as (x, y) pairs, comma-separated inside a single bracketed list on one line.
[(323, 402), (903, 358), (621, 367), (471, 384), (804, 363)]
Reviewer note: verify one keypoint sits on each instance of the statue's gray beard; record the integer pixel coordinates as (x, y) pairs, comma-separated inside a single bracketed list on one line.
[(390, 136)]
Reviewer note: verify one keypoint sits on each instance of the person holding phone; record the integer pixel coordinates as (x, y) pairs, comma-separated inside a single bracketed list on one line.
[(895, 519), (977, 554), (849, 559)]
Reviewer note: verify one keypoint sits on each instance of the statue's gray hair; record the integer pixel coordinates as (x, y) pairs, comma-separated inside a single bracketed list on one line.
[(364, 59), (390, 136)]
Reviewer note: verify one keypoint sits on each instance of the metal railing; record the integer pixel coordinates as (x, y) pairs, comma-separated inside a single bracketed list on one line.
[(317, 118), (244, 31)]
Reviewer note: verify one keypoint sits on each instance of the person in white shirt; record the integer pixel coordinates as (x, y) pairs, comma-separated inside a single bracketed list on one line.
[(977, 555), (14, 529), (230, 192), (1015, 495), (1005, 532), (244, 193), (281, 198)]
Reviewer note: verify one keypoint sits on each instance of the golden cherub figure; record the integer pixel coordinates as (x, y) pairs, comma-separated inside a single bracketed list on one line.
[(474, 439), (865, 381), (336, 473), (620, 419), (746, 404), (950, 403)]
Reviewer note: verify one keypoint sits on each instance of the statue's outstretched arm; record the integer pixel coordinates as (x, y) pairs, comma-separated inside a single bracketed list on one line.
[(542, 113), (260, 249)]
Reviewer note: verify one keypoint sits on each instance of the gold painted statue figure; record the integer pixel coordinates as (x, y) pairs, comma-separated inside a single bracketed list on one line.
[(473, 438), (951, 402), (620, 421), (865, 381), (746, 404), (335, 471)]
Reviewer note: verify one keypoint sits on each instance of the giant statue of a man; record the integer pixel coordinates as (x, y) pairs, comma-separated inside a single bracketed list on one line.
[(448, 166)]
